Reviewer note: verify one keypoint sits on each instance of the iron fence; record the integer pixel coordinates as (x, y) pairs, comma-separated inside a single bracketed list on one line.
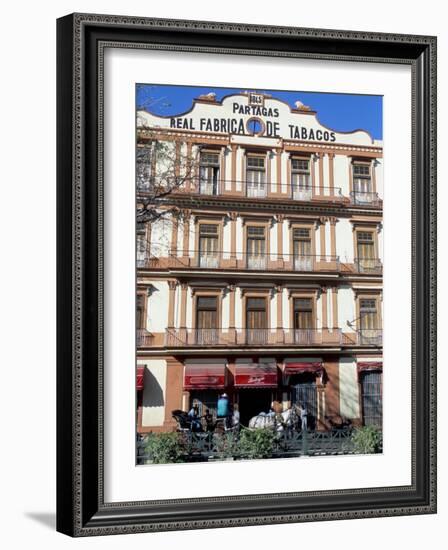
[(289, 443)]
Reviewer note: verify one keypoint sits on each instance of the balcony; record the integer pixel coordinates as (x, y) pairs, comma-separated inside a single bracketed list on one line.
[(265, 190), (244, 262), (363, 337), (360, 198), (253, 190), (370, 337), (372, 266), (237, 337), (144, 338), (256, 191), (208, 261), (208, 188)]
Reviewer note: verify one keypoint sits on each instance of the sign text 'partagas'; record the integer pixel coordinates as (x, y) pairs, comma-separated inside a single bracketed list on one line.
[(250, 114)]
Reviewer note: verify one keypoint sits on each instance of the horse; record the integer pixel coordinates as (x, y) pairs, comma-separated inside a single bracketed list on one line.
[(277, 419)]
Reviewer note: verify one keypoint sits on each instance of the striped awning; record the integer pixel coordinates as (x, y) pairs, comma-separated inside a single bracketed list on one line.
[(199, 377), (140, 377), (256, 375), (299, 368), (369, 365)]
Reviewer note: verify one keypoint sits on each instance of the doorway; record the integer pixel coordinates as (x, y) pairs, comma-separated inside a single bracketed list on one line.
[(304, 392), (252, 402)]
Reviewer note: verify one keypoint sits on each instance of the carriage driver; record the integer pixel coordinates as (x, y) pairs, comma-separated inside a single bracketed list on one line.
[(193, 415)]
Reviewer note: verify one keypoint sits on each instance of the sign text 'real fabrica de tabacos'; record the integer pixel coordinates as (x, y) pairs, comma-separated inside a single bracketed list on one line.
[(264, 121)]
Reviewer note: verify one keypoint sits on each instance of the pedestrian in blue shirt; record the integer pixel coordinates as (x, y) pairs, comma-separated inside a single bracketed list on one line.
[(223, 409)]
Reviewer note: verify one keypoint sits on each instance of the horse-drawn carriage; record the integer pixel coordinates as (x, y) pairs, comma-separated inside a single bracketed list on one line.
[(277, 419)]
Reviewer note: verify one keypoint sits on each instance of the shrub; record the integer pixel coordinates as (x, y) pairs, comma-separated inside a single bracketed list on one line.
[(165, 448), (366, 440), (226, 446), (256, 443)]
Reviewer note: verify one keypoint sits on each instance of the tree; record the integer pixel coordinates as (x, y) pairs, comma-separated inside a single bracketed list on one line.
[(162, 167)]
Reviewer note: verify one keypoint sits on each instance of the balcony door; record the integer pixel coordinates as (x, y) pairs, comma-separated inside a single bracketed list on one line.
[(208, 245), (362, 184), (303, 260), (256, 247), (256, 177), (256, 321), (370, 331), (371, 398), (301, 180), (304, 332), (209, 173), (365, 245), (207, 328)]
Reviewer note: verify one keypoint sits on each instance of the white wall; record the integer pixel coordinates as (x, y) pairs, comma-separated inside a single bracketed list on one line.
[(326, 174), (380, 235), (348, 388), (344, 240), (327, 239), (346, 307), (379, 177), (239, 173), (239, 238), (226, 237), (157, 310), (341, 164), (154, 392), (225, 311)]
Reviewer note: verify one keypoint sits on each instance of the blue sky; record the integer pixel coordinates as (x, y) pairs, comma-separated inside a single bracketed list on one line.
[(341, 112)]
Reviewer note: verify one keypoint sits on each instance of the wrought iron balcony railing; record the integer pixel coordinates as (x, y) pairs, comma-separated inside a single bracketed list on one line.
[(370, 337), (361, 198), (257, 190), (231, 337), (243, 261), (368, 265), (144, 338)]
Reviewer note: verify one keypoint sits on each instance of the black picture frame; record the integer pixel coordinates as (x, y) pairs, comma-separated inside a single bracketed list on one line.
[(81, 510)]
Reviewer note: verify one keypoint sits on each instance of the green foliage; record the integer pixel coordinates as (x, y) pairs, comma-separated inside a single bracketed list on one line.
[(366, 440), (226, 446), (165, 448), (256, 443)]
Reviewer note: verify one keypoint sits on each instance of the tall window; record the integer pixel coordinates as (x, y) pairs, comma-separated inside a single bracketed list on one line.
[(256, 320), (140, 307), (256, 247), (207, 319), (371, 398), (365, 246), (208, 245), (256, 176), (362, 183), (303, 260), (209, 173), (141, 245), (303, 321), (370, 331), (300, 179), (143, 166)]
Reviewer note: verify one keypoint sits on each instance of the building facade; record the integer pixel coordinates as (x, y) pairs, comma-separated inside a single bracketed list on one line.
[(262, 276)]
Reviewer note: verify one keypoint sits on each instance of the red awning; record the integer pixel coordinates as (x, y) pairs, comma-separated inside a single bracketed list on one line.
[(370, 365), (299, 368), (256, 376), (199, 377), (140, 377)]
